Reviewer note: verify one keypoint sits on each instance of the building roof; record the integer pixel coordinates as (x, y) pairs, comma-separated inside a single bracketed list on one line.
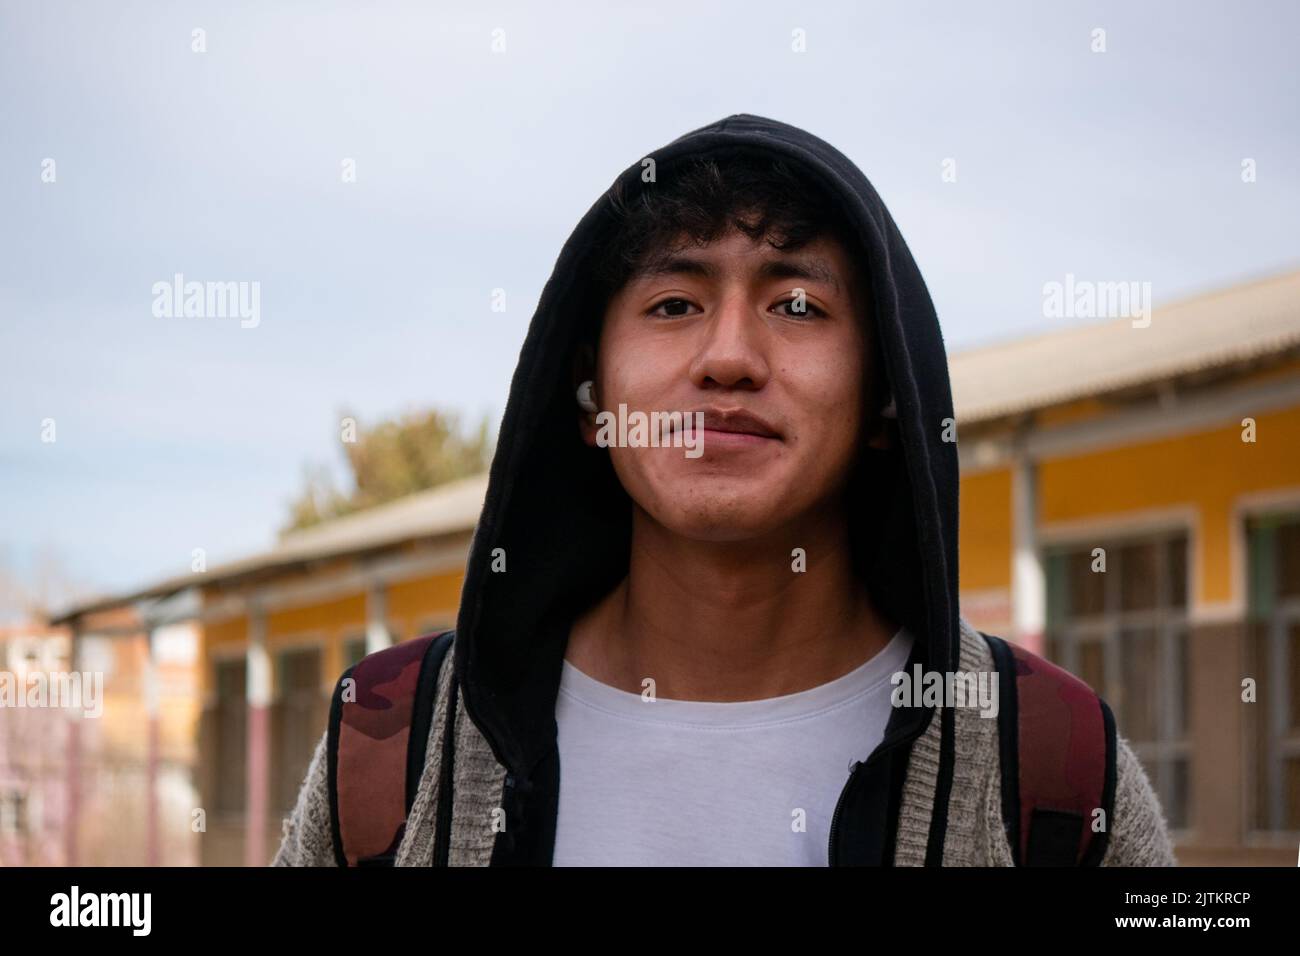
[(445, 510), (1220, 328)]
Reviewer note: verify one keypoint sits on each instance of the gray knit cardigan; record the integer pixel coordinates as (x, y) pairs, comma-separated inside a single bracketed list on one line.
[(976, 837)]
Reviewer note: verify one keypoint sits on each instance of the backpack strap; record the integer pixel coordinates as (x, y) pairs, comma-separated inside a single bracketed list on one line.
[(380, 716), (1058, 750)]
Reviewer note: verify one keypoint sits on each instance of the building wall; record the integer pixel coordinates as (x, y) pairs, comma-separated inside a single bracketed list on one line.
[(1212, 475), (984, 547), (1207, 483)]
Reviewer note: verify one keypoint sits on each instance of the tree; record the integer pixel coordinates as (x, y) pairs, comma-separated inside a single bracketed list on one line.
[(392, 459)]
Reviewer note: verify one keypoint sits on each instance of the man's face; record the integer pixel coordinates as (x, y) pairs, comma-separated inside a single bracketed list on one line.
[(717, 329)]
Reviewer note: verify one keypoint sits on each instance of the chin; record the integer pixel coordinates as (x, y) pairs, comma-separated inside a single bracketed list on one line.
[(719, 508)]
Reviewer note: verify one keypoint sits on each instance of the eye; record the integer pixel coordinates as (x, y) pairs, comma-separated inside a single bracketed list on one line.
[(675, 308), (809, 310)]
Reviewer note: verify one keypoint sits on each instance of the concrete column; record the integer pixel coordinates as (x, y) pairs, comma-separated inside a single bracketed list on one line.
[(72, 811), (1214, 731), (258, 691), (1028, 579), (377, 635), (152, 704)]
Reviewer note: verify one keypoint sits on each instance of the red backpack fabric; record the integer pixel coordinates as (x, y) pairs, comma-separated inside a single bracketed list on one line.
[(380, 717), (1058, 750)]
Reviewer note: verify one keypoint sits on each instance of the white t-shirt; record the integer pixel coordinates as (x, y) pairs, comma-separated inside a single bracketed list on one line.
[(699, 783)]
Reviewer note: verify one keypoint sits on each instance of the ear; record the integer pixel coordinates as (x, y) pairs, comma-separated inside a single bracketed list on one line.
[(584, 369), (882, 431)]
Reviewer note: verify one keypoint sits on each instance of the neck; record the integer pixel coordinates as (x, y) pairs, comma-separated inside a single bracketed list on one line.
[(731, 621)]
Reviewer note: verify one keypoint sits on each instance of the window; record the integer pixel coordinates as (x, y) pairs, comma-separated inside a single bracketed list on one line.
[(230, 720), (1273, 660), (1124, 631), (297, 721), (354, 648), (13, 813)]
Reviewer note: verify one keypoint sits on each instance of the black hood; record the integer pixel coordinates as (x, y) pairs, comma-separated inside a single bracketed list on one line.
[(563, 523)]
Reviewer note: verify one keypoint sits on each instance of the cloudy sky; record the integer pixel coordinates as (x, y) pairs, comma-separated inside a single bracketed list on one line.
[(472, 166)]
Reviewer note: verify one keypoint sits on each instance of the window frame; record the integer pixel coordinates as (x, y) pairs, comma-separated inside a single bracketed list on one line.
[(1066, 636), (1281, 741)]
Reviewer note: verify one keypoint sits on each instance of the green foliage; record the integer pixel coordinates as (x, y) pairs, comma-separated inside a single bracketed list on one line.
[(392, 459)]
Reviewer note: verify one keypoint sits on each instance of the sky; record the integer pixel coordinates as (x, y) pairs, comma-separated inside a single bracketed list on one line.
[(479, 134)]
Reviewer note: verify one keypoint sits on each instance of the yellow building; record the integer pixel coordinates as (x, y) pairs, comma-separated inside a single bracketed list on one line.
[(1130, 505)]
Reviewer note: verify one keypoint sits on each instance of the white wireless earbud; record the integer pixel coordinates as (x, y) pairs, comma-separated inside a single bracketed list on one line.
[(584, 397)]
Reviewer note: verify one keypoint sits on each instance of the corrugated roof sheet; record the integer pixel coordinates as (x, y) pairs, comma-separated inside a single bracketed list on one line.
[(1217, 329), (447, 509)]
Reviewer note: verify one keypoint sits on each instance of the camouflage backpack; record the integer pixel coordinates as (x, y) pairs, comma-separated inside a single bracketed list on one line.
[(380, 716)]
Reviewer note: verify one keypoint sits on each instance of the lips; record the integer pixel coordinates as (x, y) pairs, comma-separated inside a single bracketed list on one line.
[(737, 422), (731, 428)]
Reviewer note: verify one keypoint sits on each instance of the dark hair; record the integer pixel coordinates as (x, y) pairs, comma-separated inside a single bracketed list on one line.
[(701, 198)]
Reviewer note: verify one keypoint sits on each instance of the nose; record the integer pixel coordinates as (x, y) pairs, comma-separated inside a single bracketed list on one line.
[(731, 353)]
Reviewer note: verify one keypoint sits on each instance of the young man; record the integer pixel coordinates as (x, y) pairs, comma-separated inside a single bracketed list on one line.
[(684, 651)]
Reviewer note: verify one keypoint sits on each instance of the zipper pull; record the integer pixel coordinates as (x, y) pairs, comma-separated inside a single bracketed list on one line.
[(524, 786), (513, 798)]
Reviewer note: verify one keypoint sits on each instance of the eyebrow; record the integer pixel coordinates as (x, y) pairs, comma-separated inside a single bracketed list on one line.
[(808, 267)]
